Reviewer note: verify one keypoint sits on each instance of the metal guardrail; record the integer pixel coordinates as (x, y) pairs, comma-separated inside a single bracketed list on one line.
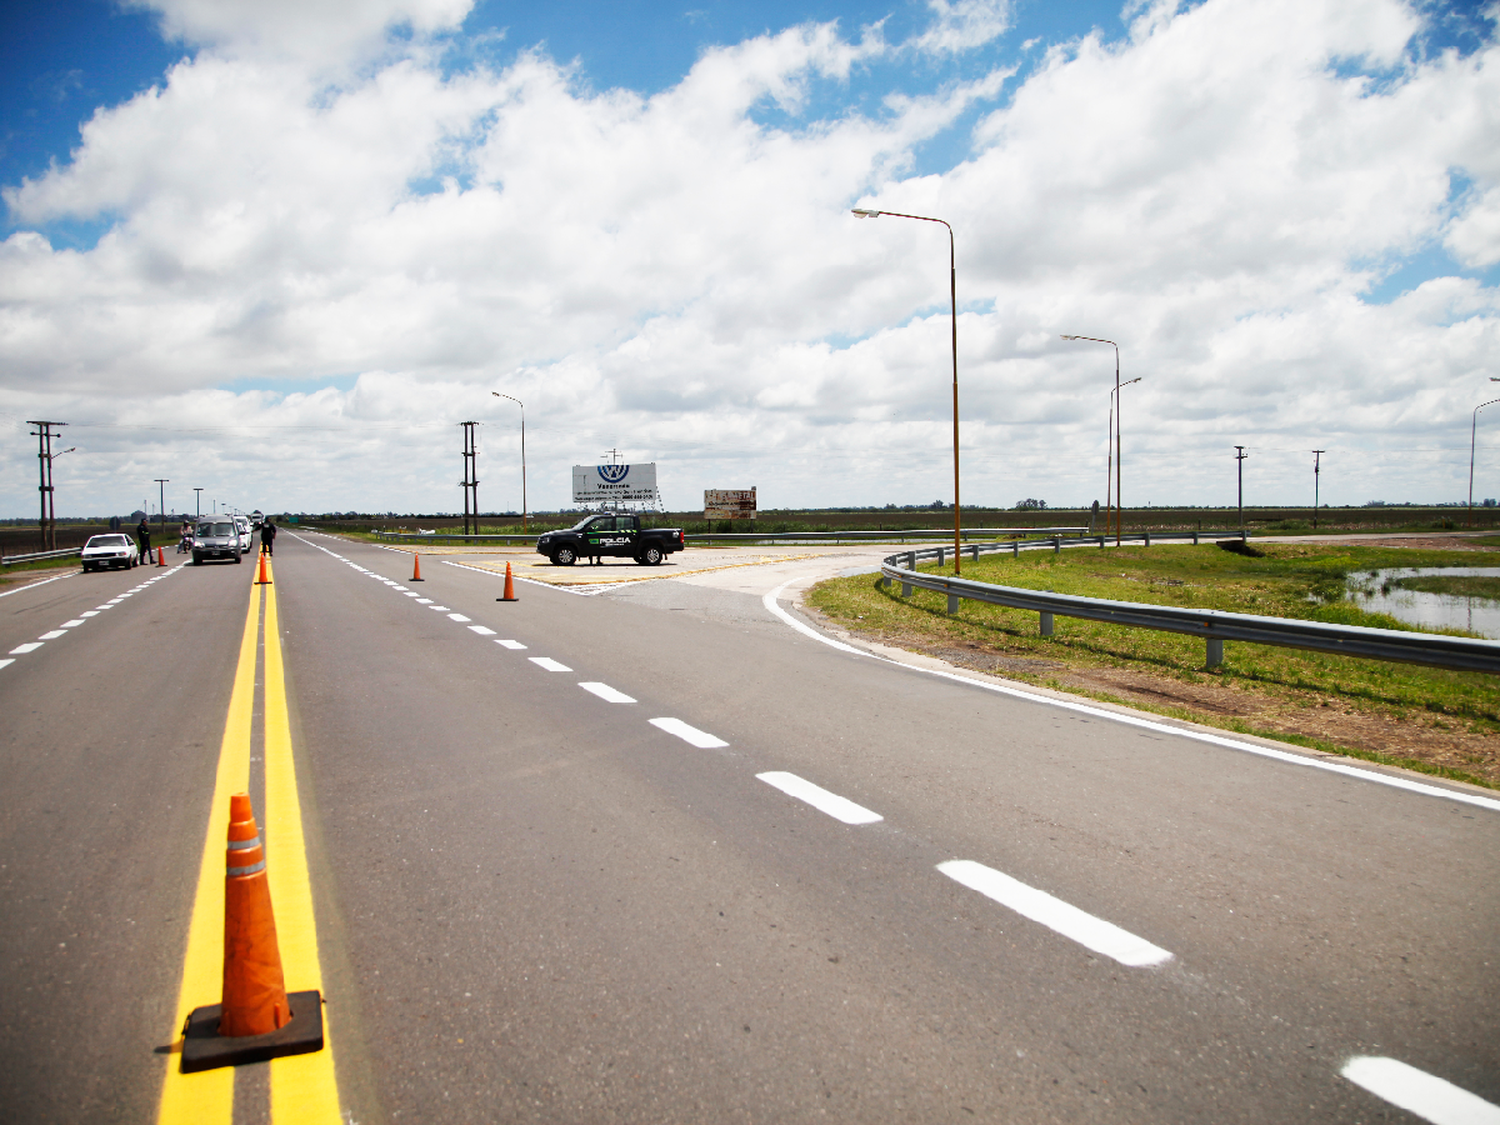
[(1215, 626), (38, 556), (897, 536)]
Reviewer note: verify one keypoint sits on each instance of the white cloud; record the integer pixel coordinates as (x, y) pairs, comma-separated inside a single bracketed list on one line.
[(678, 275), (324, 33), (962, 25)]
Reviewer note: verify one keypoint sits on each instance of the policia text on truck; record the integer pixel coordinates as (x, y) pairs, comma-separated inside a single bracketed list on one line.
[(618, 535)]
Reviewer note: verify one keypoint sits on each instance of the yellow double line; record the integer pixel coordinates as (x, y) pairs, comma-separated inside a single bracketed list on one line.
[(303, 1087)]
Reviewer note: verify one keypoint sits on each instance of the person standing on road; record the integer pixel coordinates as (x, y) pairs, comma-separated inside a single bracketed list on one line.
[(143, 540), (268, 537)]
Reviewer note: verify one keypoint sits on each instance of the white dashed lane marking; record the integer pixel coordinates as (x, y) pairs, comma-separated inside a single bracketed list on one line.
[(460, 618), (1057, 915), (52, 636), (606, 693), (516, 646), (840, 808), (1429, 1097), (22, 650), (689, 734), (482, 630), (549, 664), (77, 621)]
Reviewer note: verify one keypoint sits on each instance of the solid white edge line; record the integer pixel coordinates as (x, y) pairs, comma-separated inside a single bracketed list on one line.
[(769, 601), (840, 808), (689, 734), (549, 664), (43, 582), (1426, 1095), (606, 693), (1059, 916)]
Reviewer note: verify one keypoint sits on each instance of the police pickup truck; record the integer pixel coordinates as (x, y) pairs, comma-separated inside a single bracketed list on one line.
[(615, 534)]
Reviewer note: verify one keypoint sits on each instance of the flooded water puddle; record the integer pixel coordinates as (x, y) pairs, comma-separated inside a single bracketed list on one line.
[(1380, 592)]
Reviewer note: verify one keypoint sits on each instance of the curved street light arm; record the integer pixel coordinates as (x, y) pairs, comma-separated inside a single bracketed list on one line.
[(870, 213), (1119, 511), (522, 405), (1473, 430)]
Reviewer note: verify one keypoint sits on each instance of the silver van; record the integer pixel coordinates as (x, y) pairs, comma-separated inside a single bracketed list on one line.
[(218, 538)]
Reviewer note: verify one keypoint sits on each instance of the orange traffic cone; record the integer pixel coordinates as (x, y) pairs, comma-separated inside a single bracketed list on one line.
[(258, 1019), (263, 580), (254, 991), (161, 556), (416, 568), (510, 587)]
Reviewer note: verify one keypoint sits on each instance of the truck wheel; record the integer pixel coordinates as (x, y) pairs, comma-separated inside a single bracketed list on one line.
[(564, 556), (651, 556)]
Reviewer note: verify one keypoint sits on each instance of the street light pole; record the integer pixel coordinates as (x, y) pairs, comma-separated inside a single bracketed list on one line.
[(1239, 457), (1317, 456), (1119, 512), (198, 502), (1473, 427), (1109, 446), (518, 402), (867, 213), (161, 512)]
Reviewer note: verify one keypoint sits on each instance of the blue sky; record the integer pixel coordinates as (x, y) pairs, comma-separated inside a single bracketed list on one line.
[(356, 218)]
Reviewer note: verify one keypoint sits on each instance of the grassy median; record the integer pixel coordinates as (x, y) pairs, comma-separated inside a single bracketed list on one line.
[(1433, 720)]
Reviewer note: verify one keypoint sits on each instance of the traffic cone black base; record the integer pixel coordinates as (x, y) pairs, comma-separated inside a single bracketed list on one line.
[(203, 1048)]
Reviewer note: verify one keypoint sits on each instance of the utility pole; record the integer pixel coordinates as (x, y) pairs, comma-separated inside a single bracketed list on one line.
[(1239, 456), (47, 520), (1317, 455), (470, 482), (197, 503), (161, 511)]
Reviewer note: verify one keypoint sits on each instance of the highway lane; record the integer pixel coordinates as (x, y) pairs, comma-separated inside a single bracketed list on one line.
[(499, 809), (534, 904), (111, 727)]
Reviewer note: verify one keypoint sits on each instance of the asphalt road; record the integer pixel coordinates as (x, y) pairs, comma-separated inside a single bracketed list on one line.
[(553, 884)]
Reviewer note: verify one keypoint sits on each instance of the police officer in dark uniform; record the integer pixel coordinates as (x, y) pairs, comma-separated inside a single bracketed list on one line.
[(143, 540), (268, 537)]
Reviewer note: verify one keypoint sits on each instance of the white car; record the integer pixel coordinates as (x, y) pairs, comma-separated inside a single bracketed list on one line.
[(246, 536), (111, 551)]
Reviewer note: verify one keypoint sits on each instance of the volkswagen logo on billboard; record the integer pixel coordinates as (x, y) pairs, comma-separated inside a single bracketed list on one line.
[(613, 474)]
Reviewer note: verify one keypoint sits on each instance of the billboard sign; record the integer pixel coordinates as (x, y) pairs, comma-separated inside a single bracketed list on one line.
[(729, 503), (607, 484)]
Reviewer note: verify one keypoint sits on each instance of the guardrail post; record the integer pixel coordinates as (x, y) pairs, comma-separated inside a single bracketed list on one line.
[(1148, 539), (885, 583), (1057, 544), (1215, 652), (940, 558), (952, 603), (976, 552), (1046, 629), (906, 589), (1015, 548), (911, 560), (1101, 542)]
